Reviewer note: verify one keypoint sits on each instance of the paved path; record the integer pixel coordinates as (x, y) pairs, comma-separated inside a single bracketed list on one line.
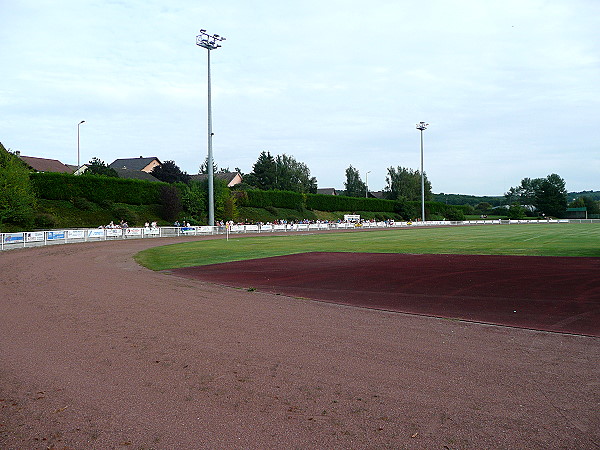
[(97, 352)]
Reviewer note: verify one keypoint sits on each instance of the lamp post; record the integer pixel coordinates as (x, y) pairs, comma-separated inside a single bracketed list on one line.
[(367, 184), (209, 42), (78, 164), (422, 126)]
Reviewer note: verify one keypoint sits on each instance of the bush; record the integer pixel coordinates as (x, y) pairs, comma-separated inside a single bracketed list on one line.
[(82, 204), (126, 214), (406, 210), (455, 214), (44, 221)]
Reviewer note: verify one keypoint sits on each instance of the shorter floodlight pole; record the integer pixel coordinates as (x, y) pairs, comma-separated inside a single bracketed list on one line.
[(209, 42), (422, 126), (367, 184), (78, 164)]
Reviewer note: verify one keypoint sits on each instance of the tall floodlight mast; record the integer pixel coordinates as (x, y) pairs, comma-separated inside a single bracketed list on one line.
[(209, 42), (422, 126), (78, 161)]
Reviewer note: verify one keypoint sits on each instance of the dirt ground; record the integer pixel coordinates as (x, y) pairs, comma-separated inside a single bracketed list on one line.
[(97, 352)]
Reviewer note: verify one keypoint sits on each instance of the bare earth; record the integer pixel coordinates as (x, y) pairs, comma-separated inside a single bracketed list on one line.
[(97, 352)]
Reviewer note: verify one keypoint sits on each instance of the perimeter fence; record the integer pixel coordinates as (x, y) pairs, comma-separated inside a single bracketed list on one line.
[(23, 239)]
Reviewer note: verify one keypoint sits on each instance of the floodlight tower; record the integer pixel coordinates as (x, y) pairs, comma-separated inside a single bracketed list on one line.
[(209, 42), (422, 126), (367, 184)]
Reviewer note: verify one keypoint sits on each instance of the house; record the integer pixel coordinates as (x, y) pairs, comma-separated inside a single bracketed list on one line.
[(44, 164), (327, 191), (139, 164), (232, 178), (376, 194)]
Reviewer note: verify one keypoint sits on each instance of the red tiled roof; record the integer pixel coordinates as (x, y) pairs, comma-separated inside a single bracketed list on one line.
[(45, 165)]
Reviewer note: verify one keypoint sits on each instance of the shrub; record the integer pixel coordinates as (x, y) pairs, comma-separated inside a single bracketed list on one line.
[(126, 214), (455, 214), (45, 221), (82, 204)]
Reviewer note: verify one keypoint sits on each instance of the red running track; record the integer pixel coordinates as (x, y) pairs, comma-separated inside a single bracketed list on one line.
[(560, 294)]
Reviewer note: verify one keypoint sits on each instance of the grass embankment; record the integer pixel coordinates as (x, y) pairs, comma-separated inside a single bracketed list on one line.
[(531, 239)]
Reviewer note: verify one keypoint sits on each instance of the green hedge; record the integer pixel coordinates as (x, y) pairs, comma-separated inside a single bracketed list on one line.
[(278, 199), (321, 202), (96, 188)]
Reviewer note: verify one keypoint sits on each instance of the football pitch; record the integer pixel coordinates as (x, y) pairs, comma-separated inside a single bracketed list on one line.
[(560, 239)]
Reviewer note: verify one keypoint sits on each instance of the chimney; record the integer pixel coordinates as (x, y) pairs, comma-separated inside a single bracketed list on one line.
[(17, 152)]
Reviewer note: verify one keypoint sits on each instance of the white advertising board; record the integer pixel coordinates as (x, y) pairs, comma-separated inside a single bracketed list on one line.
[(35, 236), (95, 233), (76, 234), (133, 231)]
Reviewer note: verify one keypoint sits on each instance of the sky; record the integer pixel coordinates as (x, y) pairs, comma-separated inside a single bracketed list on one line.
[(510, 88)]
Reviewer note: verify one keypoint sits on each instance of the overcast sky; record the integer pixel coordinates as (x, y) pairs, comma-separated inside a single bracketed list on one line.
[(510, 88)]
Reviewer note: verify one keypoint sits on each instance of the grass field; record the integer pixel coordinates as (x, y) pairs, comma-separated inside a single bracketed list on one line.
[(531, 239)]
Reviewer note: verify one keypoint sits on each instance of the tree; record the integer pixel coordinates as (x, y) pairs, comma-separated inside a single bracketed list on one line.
[(483, 207), (547, 195), (292, 175), (593, 207), (17, 197), (263, 172), (170, 200), (195, 198), (404, 183), (98, 167), (169, 172), (551, 196), (516, 211), (204, 167), (525, 193), (354, 185)]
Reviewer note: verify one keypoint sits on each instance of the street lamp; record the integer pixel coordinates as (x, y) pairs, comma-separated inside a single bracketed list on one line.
[(422, 126), (78, 164), (367, 184), (209, 42)]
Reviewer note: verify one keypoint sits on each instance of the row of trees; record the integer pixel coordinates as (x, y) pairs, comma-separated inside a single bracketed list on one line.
[(402, 183), (546, 196), (282, 172)]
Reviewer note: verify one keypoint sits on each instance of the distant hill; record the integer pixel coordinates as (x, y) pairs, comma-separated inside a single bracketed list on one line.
[(594, 195), (473, 200)]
